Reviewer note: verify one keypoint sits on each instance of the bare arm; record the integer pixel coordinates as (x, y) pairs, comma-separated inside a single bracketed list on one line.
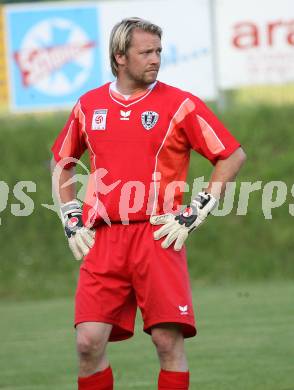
[(60, 176), (80, 239), (225, 171)]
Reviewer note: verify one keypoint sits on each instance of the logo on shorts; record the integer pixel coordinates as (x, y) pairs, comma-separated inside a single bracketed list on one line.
[(183, 310), (149, 119), (99, 119)]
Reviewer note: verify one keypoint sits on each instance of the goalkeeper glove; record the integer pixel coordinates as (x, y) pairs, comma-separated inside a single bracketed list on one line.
[(178, 227), (80, 238)]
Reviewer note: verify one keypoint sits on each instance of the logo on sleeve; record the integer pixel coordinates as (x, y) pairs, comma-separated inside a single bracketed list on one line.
[(149, 119), (99, 119)]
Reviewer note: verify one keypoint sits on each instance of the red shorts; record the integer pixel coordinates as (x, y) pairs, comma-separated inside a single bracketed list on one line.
[(127, 268)]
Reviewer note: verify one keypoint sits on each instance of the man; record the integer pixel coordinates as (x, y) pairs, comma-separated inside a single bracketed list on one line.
[(139, 133)]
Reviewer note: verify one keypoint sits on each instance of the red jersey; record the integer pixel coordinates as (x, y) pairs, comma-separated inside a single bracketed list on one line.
[(139, 149)]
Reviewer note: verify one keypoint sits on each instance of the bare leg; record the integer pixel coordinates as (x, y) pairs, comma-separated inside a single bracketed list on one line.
[(92, 338), (169, 342)]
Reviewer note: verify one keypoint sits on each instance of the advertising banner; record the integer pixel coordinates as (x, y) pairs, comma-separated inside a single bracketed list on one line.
[(53, 54), (255, 42), (58, 51), (3, 64)]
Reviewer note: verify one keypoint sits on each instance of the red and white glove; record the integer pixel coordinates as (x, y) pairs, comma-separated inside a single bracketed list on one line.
[(176, 228), (80, 238)]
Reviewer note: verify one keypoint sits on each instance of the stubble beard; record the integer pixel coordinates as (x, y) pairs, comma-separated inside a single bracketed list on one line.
[(144, 79)]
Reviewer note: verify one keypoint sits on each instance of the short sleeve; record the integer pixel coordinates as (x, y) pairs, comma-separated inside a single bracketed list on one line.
[(207, 134), (70, 142)]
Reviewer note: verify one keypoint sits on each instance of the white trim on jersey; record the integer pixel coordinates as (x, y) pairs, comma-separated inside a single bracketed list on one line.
[(113, 87), (65, 138), (159, 149), (95, 208)]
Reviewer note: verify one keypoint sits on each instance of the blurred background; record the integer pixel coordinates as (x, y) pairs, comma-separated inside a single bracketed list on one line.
[(237, 56)]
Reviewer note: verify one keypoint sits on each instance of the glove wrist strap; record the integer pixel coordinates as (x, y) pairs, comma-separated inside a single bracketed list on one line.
[(69, 209), (202, 199)]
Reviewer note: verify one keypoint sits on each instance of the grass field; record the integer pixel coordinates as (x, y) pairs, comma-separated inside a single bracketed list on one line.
[(245, 342)]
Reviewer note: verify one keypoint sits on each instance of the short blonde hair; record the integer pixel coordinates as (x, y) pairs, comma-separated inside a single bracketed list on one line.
[(121, 35)]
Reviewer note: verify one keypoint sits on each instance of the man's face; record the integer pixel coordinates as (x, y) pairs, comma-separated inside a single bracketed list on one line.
[(142, 61)]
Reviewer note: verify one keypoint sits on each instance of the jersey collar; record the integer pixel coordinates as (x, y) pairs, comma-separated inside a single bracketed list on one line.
[(128, 100)]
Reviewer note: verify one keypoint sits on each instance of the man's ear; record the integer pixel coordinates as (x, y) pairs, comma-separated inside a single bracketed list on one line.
[(120, 59)]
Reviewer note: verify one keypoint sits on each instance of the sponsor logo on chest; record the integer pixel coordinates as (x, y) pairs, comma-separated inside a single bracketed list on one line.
[(99, 119), (125, 115), (149, 119)]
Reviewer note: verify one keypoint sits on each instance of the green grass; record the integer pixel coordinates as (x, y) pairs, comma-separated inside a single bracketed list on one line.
[(245, 342)]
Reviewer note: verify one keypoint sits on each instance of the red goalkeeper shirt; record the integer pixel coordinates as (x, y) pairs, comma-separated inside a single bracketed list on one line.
[(139, 149)]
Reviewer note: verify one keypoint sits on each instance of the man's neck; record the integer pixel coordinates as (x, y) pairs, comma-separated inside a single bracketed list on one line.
[(130, 88)]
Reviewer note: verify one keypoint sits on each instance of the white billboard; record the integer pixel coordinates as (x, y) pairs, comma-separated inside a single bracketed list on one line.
[(187, 46), (255, 42)]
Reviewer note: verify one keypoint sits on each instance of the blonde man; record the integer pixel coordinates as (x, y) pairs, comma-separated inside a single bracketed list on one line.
[(139, 133)]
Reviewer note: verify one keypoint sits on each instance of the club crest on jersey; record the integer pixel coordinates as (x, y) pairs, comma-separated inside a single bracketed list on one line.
[(149, 119), (99, 119)]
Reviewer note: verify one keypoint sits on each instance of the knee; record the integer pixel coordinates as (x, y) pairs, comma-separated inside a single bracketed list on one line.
[(166, 341), (89, 345)]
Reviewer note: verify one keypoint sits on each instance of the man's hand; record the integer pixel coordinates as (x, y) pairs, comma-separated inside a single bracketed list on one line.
[(178, 227), (80, 238)]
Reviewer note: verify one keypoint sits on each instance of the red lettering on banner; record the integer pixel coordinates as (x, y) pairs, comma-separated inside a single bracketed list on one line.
[(248, 35), (271, 27), (37, 64), (290, 37)]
